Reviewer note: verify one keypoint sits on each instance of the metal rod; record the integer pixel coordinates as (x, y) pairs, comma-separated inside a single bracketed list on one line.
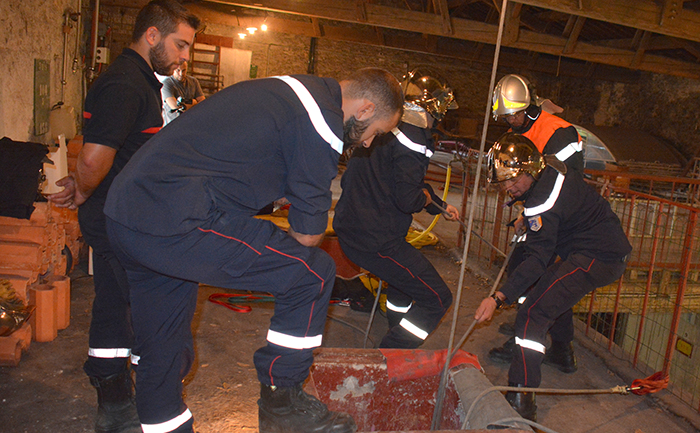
[(371, 315), (440, 396), (493, 290)]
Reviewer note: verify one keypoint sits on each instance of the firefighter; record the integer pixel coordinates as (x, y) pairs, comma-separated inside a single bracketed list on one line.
[(182, 211), (516, 101), (382, 187), (567, 217)]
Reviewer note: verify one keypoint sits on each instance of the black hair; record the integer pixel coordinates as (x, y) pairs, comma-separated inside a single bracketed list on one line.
[(165, 15)]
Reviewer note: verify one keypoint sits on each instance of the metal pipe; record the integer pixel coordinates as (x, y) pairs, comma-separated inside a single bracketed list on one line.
[(647, 289), (440, 396), (64, 30), (78, 35), (95, 36), (688, 249), (619, 288), (311, 66)]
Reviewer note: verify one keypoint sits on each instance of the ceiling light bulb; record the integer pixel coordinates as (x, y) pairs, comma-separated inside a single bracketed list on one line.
[(263, 27), (252, 30), (242, 35)]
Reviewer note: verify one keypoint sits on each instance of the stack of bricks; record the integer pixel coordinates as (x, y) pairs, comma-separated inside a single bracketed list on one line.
[(35, 256)]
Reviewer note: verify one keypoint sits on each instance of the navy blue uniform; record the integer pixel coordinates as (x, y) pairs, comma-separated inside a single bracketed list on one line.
[(382, 188), (182, 212), (122, 111), (552, 135), (568, 218)]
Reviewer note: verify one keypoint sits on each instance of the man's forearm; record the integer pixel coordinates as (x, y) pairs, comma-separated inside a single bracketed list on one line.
[(94, 162)]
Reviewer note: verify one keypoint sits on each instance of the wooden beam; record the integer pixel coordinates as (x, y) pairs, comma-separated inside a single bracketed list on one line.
[(431, 24), (512, 24), (639, 54), (670, 11), (361, 7), (569, 26), (380, 36), (318, 31), (441, 6), (643, 14), (693, 50), (573, 37)]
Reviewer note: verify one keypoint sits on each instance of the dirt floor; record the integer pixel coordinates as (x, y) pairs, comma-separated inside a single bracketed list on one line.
[(48, 391)]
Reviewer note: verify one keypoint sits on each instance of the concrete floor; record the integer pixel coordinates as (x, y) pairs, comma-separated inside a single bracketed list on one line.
[(48, 391)]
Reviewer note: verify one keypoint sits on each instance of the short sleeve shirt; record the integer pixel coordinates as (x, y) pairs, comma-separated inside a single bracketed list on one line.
[(122, 111)]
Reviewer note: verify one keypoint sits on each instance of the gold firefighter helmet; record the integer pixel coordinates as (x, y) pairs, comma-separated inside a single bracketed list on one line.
[(512, 155), (512, 94), (426, 89)]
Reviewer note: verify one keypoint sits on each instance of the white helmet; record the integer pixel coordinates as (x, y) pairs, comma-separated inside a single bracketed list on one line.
[(512, 94)]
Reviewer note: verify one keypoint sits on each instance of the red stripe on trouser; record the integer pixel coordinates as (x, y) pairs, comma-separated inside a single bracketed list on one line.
[(272, 379), (323, 283), (413, 276), (527, 322), (229, 237)]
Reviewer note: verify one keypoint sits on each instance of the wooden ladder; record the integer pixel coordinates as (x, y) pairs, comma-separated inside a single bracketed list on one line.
[(205, 63)]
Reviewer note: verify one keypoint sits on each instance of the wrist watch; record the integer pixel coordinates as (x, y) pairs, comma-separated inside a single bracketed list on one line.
[(499, 303)]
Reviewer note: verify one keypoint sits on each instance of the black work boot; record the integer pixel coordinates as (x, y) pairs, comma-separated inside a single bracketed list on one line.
[(561, 356), (503, 354), (116, 408), (291, 410), (522, 402)]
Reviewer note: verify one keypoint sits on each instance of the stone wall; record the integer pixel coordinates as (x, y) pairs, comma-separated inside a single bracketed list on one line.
[(32, 29), (664, 106)]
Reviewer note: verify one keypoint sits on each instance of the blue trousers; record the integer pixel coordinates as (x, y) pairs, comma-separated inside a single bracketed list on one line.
[(111, 337), (231, 252), (413, 285), (555, 294)]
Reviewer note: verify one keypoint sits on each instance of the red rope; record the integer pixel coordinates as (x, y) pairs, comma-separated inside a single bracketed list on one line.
[(654, 383)]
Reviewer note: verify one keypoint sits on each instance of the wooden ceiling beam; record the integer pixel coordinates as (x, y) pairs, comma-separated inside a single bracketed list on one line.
[(573, 37), (511, 27), (670, 11), (641, 50), (441, 7), (692, 49), (643, 14), (431, 24)]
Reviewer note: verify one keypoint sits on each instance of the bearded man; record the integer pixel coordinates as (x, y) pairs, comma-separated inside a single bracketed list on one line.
[(182, 212), (122, 111)]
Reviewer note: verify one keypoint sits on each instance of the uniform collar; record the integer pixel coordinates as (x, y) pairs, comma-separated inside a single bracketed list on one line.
[(143, 66)]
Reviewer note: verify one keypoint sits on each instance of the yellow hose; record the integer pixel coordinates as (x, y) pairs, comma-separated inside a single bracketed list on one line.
[(414, 237)]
